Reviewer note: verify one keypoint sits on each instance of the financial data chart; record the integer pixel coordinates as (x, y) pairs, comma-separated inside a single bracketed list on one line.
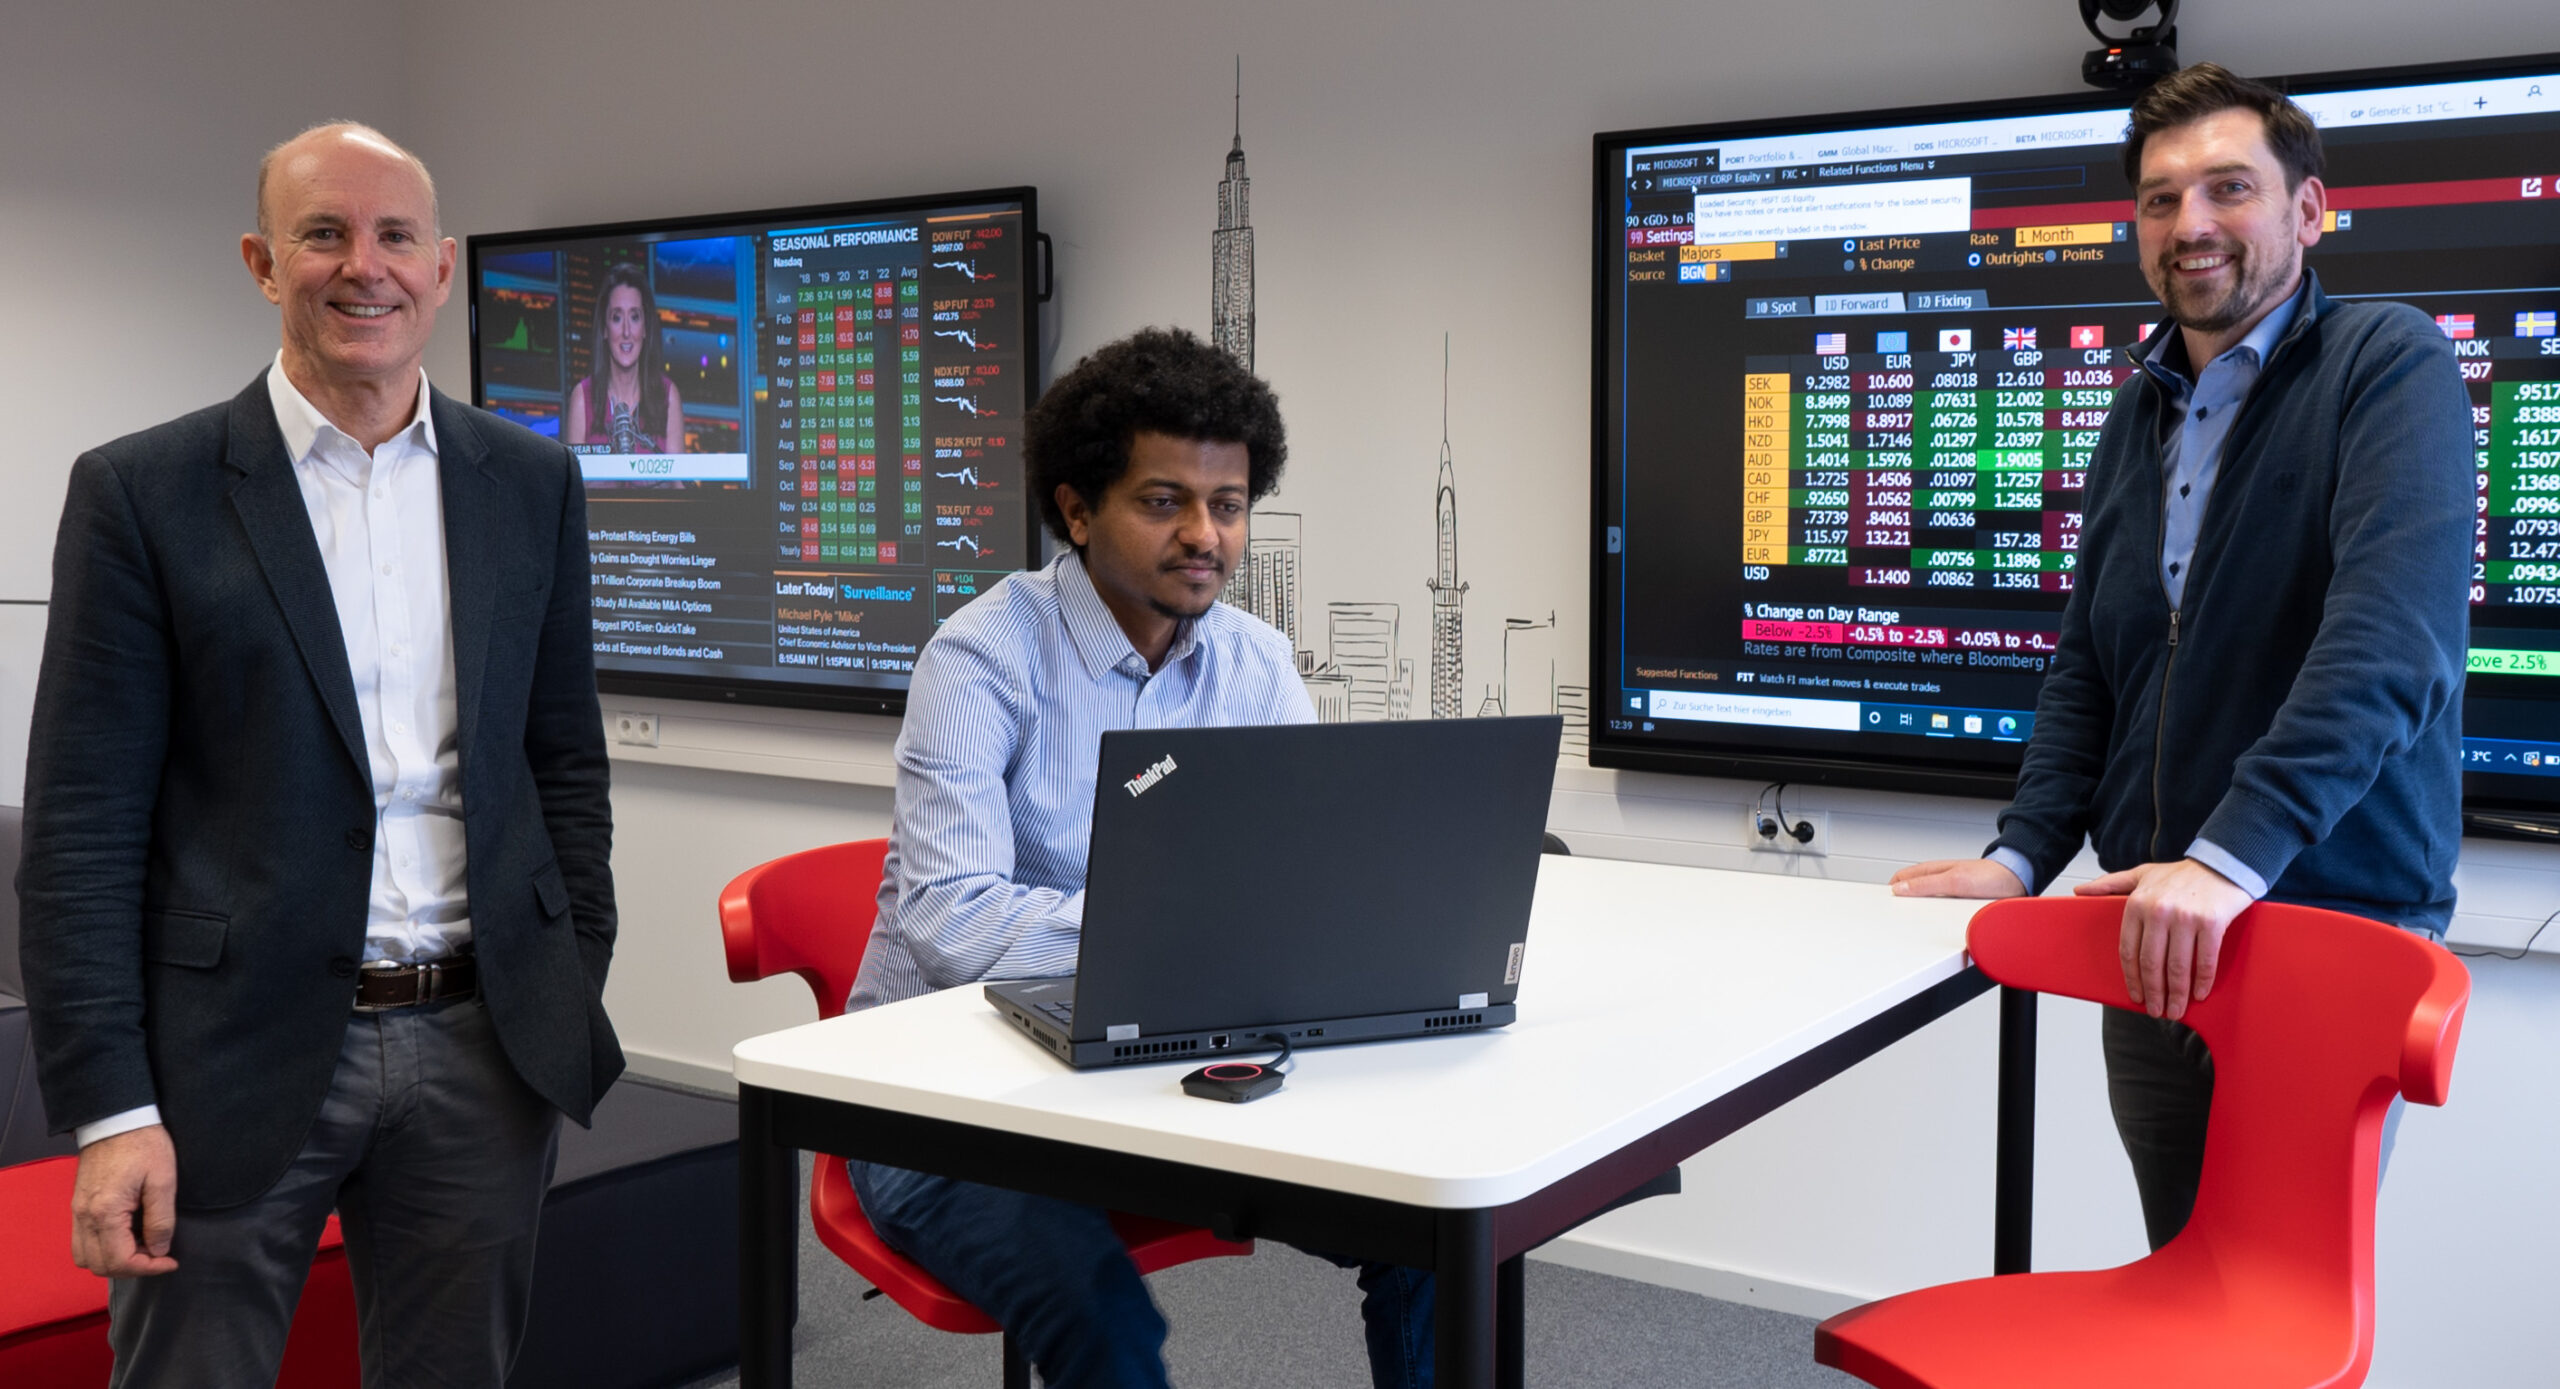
[(1850, 373), (800, 432)]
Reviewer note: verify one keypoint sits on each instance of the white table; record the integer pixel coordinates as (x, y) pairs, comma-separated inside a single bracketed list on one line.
[(1661, 1009)]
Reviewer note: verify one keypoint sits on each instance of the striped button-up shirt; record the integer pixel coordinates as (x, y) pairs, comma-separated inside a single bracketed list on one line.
[(996, 765)]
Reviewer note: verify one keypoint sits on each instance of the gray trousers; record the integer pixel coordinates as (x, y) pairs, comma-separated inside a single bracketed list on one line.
[(2160, 1086), (435, 1156)]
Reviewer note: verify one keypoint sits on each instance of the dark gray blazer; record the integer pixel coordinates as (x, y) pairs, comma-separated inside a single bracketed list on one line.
[(199, 817)]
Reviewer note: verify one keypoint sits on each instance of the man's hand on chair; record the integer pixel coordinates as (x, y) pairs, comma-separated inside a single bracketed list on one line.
[(2171, 942)]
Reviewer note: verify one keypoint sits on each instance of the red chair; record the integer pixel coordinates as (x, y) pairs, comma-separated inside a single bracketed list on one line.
[(2315, 1021), (810, 914), (53, 1314)]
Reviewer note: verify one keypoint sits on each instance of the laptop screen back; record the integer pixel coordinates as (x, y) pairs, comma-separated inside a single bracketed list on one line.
[(1244, 876)]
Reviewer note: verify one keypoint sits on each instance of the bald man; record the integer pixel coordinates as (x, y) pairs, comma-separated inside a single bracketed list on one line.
[(315, 893)]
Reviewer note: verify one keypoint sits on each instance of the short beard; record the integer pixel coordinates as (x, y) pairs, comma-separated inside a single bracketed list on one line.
[(1178, 614), (2253, 290)]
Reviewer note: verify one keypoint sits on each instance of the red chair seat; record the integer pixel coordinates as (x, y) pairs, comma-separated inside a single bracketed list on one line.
[(1945, 1336), (842, 1227), (53, 1313)]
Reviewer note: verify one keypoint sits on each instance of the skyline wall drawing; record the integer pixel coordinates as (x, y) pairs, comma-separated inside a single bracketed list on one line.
[(1265, 584), (1448, 594), (1361, 674), (1231, 250)]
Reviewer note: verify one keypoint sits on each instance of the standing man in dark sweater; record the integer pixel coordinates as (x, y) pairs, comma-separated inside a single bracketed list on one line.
[(2258, 688)]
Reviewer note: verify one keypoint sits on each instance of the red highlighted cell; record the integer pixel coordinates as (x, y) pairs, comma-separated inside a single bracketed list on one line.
[(1828, 633)]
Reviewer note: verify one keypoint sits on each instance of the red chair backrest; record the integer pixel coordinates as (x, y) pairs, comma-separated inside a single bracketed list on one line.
[(2316, 1020), (809, 914)]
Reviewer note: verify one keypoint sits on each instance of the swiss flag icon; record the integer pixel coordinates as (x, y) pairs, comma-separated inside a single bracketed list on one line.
[(2088, 335)]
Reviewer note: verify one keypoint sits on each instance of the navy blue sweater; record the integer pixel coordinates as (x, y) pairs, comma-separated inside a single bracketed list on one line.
[(2302, 710)]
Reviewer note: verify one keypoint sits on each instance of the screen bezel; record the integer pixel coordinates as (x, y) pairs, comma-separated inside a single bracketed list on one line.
[(1733, 757), (1036, 285)]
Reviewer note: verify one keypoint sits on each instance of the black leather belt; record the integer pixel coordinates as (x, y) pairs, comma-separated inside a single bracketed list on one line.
[(384, 985)]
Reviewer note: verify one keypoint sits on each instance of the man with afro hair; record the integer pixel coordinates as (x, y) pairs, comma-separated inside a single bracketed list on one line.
[(1146, 460)]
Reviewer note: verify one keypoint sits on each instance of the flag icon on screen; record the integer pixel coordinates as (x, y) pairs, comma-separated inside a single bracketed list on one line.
[(2088, 335), (1955, 339), (2537, 324), (1830, 344), (2455, 325), (2017, 339), (1893, 342)]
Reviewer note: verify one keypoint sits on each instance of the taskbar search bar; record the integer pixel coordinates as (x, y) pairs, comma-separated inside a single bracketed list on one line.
[(1833, 715)]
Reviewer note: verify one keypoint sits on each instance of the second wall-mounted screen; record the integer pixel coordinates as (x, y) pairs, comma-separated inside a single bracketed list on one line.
[(1849, 374)]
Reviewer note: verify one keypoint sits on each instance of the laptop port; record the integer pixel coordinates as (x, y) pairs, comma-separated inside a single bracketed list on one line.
[(1217, 1041), (1315, 1031)]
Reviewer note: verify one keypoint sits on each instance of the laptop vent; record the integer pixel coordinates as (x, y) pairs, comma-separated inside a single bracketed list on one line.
[(1455, 1020), (1154, 1048)]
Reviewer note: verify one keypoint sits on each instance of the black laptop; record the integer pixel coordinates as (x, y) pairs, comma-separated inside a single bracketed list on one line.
[(1328, 882)]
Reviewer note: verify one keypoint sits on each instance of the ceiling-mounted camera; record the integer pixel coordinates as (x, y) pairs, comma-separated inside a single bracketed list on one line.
[(2137, 59)]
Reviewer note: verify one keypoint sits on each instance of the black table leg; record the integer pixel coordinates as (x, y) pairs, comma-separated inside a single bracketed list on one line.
[(2014, 1176), (768, 1245), (1464, 1302), (1509, 1369)]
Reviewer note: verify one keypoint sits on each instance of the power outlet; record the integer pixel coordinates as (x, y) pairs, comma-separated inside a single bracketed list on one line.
[(1784, 843), (635, 730)]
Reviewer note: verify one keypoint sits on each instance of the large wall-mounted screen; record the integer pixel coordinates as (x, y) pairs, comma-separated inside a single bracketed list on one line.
[(800, 430), (1848, 372)]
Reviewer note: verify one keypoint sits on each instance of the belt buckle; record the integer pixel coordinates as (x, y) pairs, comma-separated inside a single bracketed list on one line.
[(424, 974)]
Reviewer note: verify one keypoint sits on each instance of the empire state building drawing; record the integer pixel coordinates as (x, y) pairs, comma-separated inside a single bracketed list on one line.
[(1231, 251), (1448, 623)]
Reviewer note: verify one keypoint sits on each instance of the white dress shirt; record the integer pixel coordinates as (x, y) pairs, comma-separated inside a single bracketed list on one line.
[(379, 520)]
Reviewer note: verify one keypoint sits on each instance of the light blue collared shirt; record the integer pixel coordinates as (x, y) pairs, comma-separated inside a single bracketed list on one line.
[(2196, 423), (996, 761)]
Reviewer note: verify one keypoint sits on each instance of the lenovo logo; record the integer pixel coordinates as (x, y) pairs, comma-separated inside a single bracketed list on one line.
[(1138, 784)]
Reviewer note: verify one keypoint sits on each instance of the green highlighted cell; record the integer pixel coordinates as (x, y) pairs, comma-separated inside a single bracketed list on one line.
[(2485, 661)]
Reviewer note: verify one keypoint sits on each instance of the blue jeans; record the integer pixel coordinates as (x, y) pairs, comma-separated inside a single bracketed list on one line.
[(1055, 1276)]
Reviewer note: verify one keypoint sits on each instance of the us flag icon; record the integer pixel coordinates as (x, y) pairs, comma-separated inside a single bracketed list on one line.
[(1955, 339), (1830, 344), (2088, 335), (2455, 325), (2017, 339)]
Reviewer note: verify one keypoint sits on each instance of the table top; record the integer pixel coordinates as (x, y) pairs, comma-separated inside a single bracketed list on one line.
[(1647, 992)]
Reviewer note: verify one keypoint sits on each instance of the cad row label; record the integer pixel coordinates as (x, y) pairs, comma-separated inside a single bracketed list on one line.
[(1138, 784)]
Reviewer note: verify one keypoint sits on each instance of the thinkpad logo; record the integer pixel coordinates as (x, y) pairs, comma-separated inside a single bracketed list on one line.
[(1138, 784)]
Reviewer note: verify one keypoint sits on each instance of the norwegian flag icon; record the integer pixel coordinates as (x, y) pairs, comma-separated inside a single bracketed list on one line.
[(2455, 325), (2017, 339), (2088, 335)]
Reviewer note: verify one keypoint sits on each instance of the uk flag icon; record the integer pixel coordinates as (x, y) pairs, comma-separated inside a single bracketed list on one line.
[(2017, 339)]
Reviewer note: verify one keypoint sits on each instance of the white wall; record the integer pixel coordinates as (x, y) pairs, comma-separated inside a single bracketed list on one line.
[(1418, 167)]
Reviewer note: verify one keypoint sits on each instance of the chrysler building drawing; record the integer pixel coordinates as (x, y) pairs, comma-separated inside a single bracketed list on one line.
[(1448, 623), (1231, 251)]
